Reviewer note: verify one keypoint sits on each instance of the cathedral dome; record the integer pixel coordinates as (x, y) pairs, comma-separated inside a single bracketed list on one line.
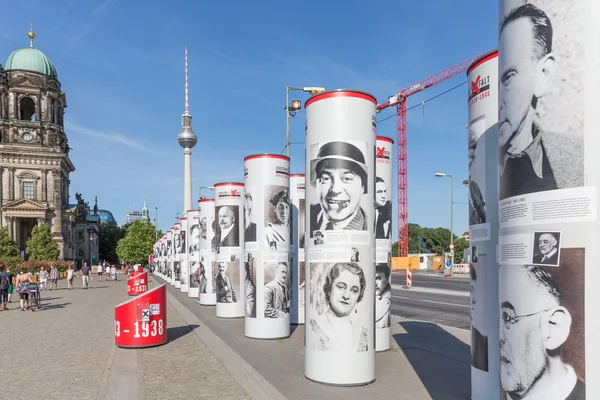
[(30, 59)]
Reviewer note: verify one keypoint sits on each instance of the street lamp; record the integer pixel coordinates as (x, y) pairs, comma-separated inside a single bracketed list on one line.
[(91, 240), (442, 175), (296, 105), (156, 223), (205, 187)]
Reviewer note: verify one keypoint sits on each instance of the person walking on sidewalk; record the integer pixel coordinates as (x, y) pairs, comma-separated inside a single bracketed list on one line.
[(53, 277), (107, 272), (85, 275), (11, 281), (70, 275), (4, 285), (23, 279), (43, 279), (113, 272), (100, 271)]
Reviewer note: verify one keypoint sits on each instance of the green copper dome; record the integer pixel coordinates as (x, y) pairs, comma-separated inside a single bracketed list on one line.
[(30, 59)]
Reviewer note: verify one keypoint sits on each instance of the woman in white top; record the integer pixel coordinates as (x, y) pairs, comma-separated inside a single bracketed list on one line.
[(70, 274), (43, 279)]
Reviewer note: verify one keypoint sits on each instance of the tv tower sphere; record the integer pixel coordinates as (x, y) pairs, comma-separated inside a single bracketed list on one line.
[(187, 138)]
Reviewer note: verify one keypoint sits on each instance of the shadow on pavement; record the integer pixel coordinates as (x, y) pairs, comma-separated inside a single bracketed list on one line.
[(50, 298), (442, 362), (53, 306), (176, 332)]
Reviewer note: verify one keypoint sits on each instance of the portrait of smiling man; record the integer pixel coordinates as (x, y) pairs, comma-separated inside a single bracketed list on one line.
[(534, 325), (531, 158), (548, 245), (339, 172)]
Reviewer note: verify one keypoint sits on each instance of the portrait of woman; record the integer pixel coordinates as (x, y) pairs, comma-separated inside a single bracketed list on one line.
[(277, 230), (338, 328)]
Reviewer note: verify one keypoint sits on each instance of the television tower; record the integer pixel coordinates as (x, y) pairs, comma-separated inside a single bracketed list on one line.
[(187, 139)]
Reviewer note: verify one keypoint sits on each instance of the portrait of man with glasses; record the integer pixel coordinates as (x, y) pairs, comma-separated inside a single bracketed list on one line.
[(534, 326)]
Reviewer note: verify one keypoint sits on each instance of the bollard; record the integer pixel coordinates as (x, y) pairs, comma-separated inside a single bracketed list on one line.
[(142, 321), (408, 278), (137, 283)]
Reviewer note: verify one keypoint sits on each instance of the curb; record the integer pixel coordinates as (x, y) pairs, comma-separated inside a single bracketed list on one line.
[(255, 385)]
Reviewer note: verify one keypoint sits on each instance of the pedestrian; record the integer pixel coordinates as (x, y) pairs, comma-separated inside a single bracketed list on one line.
[(11, 280), (107, 271), (70, 274), (85, 275), (53, 277), (113, 272), (22, 280), (100, 270), (4, 285), (43, 279)]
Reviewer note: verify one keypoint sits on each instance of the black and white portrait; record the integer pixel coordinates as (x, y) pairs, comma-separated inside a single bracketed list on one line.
[(249, 224), (213, 245), (177, 242), (534, 155), (250, 286), (301, 222), (169, 248), (228, 281), (277, 217), (194, 242), (194, 274), (474, 254), (277, 289), (476, 140), (182, 242), (318, 240), (177, 270), (383, 210), (337, 290), (339, 173), (479, 341), (354, 255), (227, 234), (542, 329), (383, 296), (203, 233), (546, 248)]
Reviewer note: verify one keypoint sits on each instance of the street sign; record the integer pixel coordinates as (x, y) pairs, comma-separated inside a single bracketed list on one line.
[(451, 246), (448, 263)]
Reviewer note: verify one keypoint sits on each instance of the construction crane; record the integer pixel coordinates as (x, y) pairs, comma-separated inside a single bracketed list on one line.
[(399, 100)]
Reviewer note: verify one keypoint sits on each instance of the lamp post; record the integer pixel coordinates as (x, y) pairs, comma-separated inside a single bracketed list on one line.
[(91, 240), (156, 223), (296, 105), (205, 187), (442, 175)]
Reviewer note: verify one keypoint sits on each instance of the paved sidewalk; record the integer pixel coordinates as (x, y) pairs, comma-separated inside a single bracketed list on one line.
[(427, 361), (67, 351)]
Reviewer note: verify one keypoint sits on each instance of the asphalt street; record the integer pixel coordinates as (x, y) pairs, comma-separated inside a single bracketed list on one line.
[(432, 298)]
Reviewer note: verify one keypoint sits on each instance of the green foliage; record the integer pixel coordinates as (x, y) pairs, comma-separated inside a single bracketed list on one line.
[(395, 249), (436, 239), (109, 236), (8, 247), (137, 244), (40, 245)]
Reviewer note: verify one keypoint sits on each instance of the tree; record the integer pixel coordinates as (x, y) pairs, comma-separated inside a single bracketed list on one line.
[(8, 247), (137, 244), (109, 236), (437, 241), (40, 245)]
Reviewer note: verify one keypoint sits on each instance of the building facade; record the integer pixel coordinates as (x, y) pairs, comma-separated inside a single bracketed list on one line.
[(132, 216), (34, 158)]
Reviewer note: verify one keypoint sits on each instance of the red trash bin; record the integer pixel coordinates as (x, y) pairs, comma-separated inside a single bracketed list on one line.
[(142, 321), (137, 284)]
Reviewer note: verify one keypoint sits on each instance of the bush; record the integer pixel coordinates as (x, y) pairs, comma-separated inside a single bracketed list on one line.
[(33, 266)]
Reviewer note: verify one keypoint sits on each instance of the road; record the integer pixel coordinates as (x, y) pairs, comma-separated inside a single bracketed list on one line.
[(433, 298)]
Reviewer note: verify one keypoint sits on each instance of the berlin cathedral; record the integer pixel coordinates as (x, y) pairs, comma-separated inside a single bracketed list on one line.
[(34, 158)]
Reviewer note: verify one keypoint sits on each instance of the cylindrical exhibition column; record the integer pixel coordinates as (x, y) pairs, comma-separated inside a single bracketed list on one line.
[(228, 244), (163, 256), (177, 255), (193, 242), (267, 239), (483, 225), (297, 188), (207, 226), (340, 242), (383, 242), (142, 321), (184, 262), (548, 239), (170, 257)]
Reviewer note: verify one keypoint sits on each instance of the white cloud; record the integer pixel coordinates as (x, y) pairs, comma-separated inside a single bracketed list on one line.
[(108, 136)]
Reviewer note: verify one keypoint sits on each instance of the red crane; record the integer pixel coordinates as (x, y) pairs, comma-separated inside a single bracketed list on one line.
[(399, 99)]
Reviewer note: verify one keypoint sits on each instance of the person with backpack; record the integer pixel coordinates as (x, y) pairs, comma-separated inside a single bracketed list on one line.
[(4, 285)]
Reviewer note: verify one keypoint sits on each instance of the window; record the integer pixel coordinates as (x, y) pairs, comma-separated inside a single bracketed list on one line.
[(27, 109), (28, 190)]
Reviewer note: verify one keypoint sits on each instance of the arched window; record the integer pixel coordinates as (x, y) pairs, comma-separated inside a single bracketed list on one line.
[(52, 111), (27, 108)]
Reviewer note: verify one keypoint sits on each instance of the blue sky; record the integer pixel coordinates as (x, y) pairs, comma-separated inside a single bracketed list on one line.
[(121, 66)]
